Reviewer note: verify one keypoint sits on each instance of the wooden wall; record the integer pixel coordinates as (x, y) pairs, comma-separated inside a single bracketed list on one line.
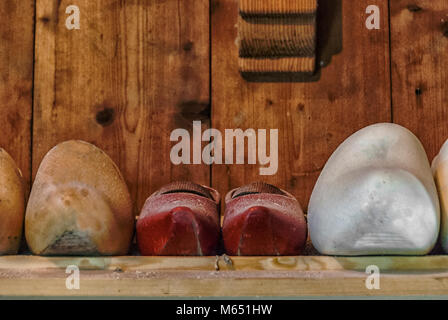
[(313, 117), (16, 80), (419, 46), (136, 70)]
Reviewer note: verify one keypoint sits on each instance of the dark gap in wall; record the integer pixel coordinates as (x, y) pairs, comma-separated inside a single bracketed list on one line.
[(210, 8), (390, 64), (32, 95), (23, 245)]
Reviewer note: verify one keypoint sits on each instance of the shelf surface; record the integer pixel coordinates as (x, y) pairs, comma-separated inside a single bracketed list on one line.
[(223, 276)]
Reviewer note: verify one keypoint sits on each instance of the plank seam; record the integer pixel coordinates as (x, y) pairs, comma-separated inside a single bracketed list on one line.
[(390, 65), (32, 97)]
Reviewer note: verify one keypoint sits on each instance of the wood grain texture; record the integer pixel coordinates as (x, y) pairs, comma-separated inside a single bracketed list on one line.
[(228, 263), (158, 285), (16, 79), (419, 45), (122, 263), (198, 277), (276, 37), (133, 72), (313, 117), (294, 65), (277, 6)]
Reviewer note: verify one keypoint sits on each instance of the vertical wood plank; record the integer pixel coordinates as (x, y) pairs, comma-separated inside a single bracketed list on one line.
[(419, 35), (134, 71), (16, 80), (313, 117)]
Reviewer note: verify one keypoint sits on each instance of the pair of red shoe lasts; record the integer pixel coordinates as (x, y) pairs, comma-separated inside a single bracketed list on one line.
[(183, 218)]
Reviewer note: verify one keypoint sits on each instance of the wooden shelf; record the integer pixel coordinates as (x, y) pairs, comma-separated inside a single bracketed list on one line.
[(305, 276)]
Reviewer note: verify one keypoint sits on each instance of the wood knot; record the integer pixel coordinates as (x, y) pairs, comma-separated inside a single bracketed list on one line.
[(188, 46), (45, 19), (105, 117), (444, 27), (195, 110), (414, 8)]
